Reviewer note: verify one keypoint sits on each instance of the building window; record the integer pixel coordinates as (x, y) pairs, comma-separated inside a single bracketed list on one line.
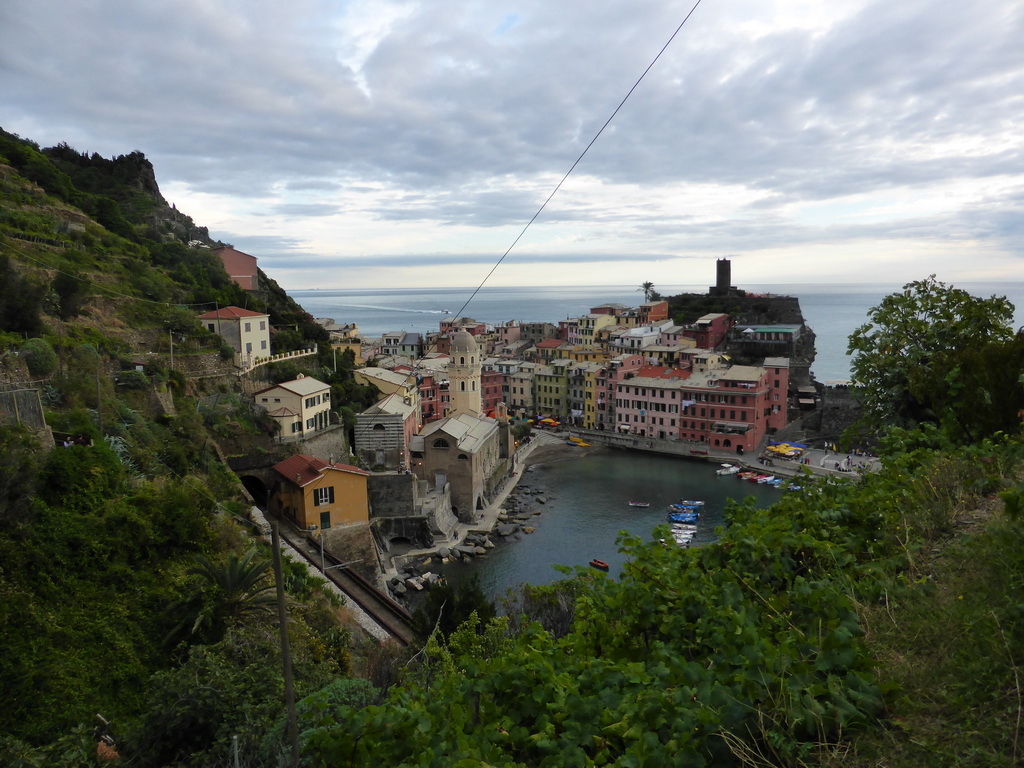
[(441, 443), (248, 327), (263, 325), (210, 326), (325, 520), (463, 457), (323, 496)]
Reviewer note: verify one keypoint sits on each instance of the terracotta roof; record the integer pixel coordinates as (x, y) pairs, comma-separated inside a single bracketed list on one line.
[(231, 313), (303, 470), (549, 344), (661, 372)]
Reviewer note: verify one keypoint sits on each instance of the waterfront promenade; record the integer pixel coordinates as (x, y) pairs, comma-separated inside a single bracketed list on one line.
[(817, 461)]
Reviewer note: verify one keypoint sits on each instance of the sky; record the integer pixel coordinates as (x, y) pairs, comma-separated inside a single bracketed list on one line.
[(369, 143)]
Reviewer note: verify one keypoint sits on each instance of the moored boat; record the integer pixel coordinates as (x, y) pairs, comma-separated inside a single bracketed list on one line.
[(601, 565), (639, 503), (683, 517)]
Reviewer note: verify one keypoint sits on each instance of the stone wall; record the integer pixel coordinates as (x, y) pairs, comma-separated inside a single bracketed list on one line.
[(392, 494)]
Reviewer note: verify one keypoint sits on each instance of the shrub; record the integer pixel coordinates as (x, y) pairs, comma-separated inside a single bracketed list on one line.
[(39, 357)]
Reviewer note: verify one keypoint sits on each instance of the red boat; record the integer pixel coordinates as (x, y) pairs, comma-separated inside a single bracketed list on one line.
[(601, 565)]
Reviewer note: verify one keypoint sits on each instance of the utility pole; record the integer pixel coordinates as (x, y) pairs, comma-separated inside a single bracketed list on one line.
[(286, 655)]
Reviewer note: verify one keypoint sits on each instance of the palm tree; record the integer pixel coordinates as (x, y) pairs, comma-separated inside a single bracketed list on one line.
[(648, 289), (228, 591)]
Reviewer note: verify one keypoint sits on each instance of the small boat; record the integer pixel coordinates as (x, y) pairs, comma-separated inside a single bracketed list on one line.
[(685, 507), (639, 503), (727, 469), (765, 480), (691, 503), (601, 565), (682, 517)]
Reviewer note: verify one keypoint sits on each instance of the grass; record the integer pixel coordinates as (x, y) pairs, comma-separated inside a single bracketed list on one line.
[(950, 644)]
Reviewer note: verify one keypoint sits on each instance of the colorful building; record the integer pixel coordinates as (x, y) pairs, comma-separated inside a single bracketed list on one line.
[(247, 332), (299, 407), (312, 492)]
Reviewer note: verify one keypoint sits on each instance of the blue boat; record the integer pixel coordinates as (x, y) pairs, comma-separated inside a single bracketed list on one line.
[(683, 517), (684, 508)]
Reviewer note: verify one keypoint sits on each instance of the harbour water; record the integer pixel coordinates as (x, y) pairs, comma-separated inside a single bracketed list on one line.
[(588, 505), (833, 311)]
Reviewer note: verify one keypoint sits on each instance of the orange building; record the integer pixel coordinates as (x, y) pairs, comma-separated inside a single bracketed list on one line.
[(313, 492)]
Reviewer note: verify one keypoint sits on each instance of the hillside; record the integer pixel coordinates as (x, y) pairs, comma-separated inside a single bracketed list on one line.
[(110, 548)]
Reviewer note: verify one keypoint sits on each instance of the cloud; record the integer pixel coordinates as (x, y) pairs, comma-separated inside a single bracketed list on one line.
[(374, 131)]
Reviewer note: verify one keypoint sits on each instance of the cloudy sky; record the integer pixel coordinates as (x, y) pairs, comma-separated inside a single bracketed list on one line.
[(355, 144)]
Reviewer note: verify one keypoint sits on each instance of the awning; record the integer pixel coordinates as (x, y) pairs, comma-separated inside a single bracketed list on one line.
[(731, 427)]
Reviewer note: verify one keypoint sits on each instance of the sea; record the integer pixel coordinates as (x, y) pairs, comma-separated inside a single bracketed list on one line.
[(833, 311), (588, 496)]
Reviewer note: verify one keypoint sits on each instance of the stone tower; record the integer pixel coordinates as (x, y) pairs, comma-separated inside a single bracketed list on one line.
[(464, 375)]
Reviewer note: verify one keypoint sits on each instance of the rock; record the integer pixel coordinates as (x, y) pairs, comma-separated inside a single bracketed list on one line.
[(507, 529), (529, 529), (416, 584), (479, 551), (456, 554), (443, 552), (399, 589), (541, 500), (466, 551), (537, 512), (489, 544)]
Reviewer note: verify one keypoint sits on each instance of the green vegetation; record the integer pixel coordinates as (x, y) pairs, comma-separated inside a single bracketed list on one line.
[(934, 354)]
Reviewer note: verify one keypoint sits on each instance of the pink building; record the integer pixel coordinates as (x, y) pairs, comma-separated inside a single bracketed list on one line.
[(433, 397), (727, 408), (710, 330), (241, 267), (491, 384), (606, 385)]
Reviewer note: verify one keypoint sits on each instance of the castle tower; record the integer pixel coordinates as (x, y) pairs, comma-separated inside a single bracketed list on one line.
[(464, 375), (723, 279)]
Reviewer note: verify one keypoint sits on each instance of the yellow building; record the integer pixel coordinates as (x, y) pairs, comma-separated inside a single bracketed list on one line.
[(313, 492)]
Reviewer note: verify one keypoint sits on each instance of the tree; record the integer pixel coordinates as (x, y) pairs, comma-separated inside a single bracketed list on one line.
[(447, 606), (911, 338), (72, 294), (229, 591), (648, 288)]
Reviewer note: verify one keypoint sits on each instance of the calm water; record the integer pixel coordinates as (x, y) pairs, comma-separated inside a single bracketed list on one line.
[(588, 504), (833, 311)]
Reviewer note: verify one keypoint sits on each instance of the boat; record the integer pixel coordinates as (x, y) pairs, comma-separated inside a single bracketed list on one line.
[(765, 480), (639, 503), (685, 507), (727, 469), (682, 517), (601, 565), (690, 503)]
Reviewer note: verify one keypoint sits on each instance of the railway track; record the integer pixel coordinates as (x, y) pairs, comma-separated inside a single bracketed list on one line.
[(388, 614)]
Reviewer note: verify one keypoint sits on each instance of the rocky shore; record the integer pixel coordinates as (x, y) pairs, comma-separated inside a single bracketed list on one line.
[(507, 519)]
